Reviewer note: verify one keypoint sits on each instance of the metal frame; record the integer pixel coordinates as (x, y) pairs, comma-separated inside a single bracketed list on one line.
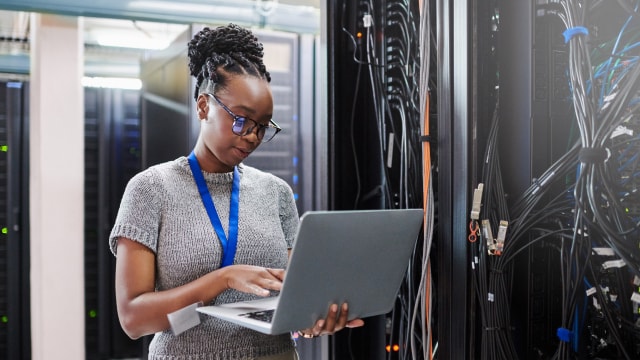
[(244, 12), (455, 120)]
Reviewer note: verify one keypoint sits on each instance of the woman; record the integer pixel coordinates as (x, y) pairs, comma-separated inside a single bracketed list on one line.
[(206, 228)]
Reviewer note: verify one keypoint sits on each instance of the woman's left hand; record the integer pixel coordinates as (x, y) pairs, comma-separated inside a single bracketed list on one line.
[(335, 321)]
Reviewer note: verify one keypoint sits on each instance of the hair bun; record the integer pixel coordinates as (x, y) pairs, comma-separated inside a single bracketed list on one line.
[(221, 43), (214, 54)]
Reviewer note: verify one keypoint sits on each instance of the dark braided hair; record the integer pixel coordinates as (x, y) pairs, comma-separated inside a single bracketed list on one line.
[(214, 54)]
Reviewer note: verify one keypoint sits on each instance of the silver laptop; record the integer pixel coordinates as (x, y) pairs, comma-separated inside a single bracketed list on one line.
[(354, 256)]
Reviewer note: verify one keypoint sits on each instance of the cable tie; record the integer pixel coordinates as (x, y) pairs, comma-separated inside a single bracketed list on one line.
[(593, 155), (496, 271), (540, 184), (571, 32), (564, 334), (537, 184), (426, 138)]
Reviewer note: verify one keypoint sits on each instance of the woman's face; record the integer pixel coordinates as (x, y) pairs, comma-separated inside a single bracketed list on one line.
[(219, 148)]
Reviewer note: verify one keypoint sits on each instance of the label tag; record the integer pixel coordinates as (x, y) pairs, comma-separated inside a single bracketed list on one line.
[(613, 264), (184, 319), (603, 251)]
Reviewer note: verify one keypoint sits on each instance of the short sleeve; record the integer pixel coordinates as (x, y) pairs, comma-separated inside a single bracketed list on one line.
[(139, 214), (288, 213)]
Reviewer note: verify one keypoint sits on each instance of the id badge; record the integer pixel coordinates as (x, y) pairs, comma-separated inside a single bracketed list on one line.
[(184, 319)]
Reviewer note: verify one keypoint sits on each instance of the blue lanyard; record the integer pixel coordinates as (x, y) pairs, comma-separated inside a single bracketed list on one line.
[(228, 246)]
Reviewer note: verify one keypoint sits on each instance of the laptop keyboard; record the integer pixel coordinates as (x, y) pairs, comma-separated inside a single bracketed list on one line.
[(262, 315)]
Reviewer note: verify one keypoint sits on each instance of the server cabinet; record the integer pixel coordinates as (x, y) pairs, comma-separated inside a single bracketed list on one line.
[(374, 144), (567, 80), (112, 157), (15, 333)]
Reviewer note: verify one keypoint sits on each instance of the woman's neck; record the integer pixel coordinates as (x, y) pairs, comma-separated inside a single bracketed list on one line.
[(208, 162)]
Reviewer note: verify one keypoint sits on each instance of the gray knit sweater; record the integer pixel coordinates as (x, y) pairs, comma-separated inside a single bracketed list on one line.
[(162, 209)]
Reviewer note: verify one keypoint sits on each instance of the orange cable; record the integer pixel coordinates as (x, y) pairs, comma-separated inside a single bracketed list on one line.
[(426, 171)]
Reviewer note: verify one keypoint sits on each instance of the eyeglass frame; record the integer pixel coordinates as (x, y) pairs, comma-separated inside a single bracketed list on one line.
[(258, 126)]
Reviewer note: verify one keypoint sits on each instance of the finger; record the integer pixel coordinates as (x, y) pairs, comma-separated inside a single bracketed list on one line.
[(330, 321), (270, 283), (307, 331), (337, 321), (318, 327), (255, 289), (277, 273), (342, 319), (355, 323)]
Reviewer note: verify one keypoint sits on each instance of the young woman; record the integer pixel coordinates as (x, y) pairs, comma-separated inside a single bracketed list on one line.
[(206, 228)]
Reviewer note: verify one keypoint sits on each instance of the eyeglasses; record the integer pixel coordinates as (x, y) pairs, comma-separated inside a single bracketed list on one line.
[(243, 126)]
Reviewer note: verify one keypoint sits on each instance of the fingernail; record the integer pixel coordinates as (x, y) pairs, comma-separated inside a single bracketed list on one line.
[(334, 307)]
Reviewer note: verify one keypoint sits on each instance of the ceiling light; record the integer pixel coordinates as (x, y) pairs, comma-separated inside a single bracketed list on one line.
[(127, 39), (113, 83), (180, 7)]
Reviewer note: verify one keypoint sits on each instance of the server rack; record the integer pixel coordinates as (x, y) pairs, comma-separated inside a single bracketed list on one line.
[(374, 145), (112, 157), (15, 333), (561, 64)]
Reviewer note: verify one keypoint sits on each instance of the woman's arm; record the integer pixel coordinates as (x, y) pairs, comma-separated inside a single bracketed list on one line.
[(143, 311)]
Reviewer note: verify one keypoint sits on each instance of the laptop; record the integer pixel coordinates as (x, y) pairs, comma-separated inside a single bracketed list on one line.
[(354, 256)]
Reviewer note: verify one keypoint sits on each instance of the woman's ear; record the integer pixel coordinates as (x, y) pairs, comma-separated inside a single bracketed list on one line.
[(202, 106)]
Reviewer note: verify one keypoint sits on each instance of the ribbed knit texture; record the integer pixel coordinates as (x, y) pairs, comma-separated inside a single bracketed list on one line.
[(162, 209)]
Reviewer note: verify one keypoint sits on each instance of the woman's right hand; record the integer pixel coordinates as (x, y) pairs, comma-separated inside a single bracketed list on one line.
[(253, 279)]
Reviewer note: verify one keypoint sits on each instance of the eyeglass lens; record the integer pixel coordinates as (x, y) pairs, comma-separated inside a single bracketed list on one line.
[(243, 126)]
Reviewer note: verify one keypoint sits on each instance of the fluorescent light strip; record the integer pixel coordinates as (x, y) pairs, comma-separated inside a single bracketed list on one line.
[(241, 10), (179, 7), (127, 39), (112, 83)]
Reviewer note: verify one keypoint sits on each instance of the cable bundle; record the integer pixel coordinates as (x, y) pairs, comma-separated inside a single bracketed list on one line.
[(394, 77), (585, 206)]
